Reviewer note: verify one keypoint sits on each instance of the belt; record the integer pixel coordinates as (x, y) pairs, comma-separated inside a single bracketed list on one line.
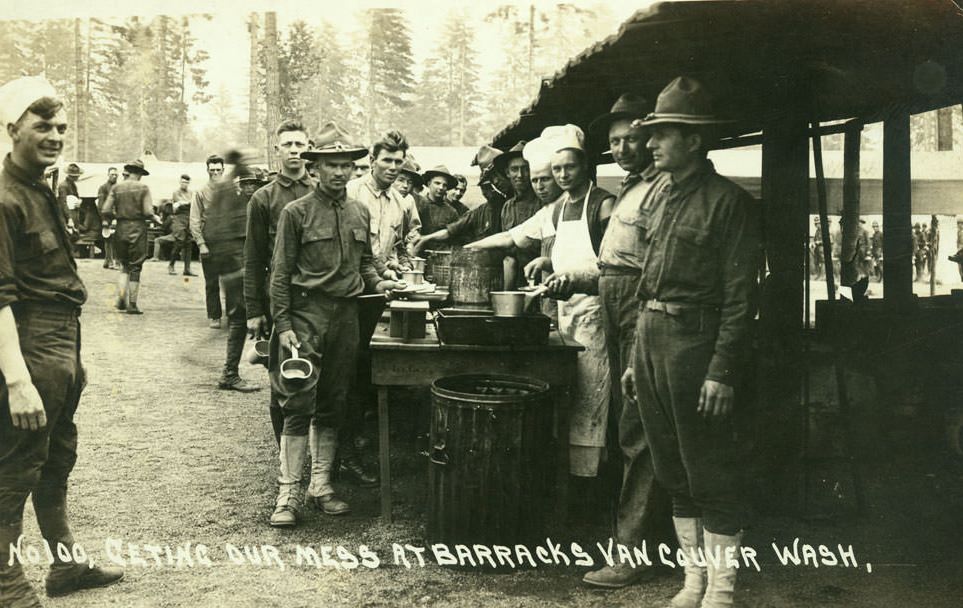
[(44, 306), (677, 308), (619, 271)]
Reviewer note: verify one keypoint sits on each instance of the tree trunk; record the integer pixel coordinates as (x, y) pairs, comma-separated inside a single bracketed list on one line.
[(85, 125), (252, 85), (272, 69), (182, 124), (79, 82)]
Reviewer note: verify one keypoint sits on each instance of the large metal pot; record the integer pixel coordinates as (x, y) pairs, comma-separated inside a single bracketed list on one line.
[(475, 273)]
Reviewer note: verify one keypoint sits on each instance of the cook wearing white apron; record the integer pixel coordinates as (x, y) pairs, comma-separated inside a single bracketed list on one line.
[(580, 319)]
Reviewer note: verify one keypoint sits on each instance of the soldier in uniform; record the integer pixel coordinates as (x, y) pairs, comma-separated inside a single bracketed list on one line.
[(41, 376), (180, 225), (68, 196), (698, 277), (456, 193), (225, 230), (107, 233), (644, 507), (435, 211), (322, 263), (130, 203), (876, 251), (198, 218), (263, 211)]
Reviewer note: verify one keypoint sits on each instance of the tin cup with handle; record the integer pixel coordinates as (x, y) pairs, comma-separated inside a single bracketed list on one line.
[(296, 370)]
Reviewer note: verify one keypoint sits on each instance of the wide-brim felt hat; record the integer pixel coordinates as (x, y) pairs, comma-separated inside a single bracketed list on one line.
[(501, 161), (627, 107), (412, 169), (136, 166), (442, 171), (74, 169), (332, 140), (485, 156), (683, 101)]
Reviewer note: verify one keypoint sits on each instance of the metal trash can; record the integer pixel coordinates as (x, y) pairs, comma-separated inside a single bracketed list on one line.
[(491, 460)]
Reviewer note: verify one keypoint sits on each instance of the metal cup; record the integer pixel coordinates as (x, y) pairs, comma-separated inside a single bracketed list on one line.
[(259, 352), (296, 370)]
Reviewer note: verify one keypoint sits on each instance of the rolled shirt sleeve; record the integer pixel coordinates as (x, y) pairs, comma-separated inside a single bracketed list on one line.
[(536, 228)]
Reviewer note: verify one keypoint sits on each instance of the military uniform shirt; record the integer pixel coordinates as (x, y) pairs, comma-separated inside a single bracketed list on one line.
[(703, 247), (623, 245), (35, 259), (130, 200), (323, 246), (435, 216), (263, 212)]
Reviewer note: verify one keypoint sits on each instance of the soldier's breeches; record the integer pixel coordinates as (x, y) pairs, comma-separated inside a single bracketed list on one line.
[(41, 461), (645, 510), (130, 246), (328, 331), (696, 459)]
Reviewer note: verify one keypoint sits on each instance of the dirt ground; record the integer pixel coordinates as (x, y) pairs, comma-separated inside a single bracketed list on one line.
[(166, 459)]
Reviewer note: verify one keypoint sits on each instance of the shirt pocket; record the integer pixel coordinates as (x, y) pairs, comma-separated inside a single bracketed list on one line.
[(37, 245), (357, 238), (695, 256), (319, 250)]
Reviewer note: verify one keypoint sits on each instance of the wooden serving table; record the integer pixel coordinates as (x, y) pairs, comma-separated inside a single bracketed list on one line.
[(420, 362)]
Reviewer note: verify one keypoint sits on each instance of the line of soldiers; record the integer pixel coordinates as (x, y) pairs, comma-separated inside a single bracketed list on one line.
[(657, 282)]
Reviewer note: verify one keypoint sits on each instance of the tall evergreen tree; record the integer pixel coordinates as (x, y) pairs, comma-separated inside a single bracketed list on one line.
[(389, 80)]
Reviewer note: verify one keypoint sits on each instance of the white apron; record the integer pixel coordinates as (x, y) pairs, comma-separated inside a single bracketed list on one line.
[(580, 319)]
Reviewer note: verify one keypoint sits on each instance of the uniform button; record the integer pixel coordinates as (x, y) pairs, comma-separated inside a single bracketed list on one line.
[(304, 294)]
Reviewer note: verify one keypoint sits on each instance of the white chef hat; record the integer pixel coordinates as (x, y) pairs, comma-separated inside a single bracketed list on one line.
[(538, 153), (563, 137), (18, 95)]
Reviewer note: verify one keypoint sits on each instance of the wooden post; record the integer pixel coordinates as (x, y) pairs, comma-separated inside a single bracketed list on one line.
[(897, 212), (944, 129), (849, 271), (785, 194)]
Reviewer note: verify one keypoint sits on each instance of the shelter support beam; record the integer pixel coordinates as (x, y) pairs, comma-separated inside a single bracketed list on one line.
[(897, 212), (849, 271), (785, 194)]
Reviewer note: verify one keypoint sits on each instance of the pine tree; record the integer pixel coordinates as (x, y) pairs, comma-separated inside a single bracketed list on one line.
[(389, 80)]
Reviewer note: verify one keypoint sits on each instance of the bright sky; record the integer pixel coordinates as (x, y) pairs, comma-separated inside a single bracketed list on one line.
[(225, 37)]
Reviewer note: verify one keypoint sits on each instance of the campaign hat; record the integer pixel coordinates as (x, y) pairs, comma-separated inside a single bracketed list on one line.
[(74, 169), (136, 166), (333, 140), (443, 172), (627, 106), (501, 161), (683, 101)]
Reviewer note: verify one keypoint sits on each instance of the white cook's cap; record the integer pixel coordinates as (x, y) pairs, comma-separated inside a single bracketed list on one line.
[(538, 153), (562, 137), (18, 95)]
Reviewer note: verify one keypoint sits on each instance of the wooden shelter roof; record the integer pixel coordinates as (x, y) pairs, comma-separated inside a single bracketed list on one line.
[(763, 59)]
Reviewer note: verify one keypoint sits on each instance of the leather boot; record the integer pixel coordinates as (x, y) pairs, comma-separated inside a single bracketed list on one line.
[(351, 466), (689, 532), (617, 576), (722, 577), (170, 267), (122, 283), (15, 591), (133, 289), (324, 445), (50, 506), (293, 451), (230, 380)]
